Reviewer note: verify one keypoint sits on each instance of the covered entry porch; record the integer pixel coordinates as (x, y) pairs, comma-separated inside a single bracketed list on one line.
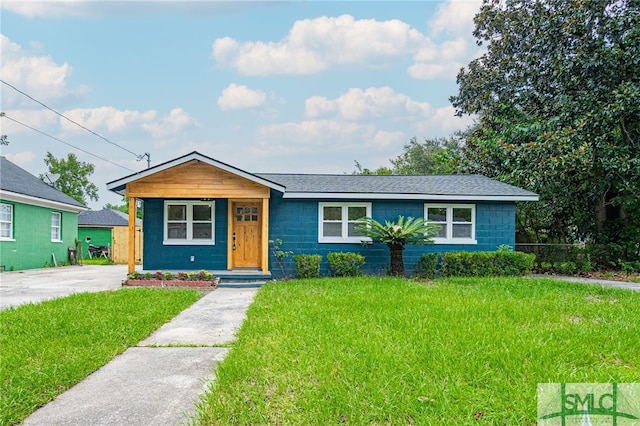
[(200, 214)]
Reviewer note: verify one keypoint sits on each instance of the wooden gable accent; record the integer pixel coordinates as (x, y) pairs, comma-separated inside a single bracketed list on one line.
[(195, 179)]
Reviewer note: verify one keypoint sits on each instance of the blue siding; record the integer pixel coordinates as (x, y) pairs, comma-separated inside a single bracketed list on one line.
[(295, 222), (160, 257)]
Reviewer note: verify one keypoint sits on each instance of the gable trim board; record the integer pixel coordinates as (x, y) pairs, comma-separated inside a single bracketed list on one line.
[(290, 208)]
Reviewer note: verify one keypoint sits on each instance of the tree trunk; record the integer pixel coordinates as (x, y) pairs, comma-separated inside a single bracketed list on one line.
[(397, 262)]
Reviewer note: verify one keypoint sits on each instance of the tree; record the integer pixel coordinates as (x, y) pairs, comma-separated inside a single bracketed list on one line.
[(124, 208), (74, 177), (557, 94), (398, 234), (431, 157)]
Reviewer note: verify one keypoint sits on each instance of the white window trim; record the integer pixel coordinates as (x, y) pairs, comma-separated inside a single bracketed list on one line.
[(345, 223), (449, 224), (189, 241), (10, 222), (59, 227)]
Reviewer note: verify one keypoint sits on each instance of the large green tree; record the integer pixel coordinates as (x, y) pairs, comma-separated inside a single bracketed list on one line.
[(73, 177), (557, 95)]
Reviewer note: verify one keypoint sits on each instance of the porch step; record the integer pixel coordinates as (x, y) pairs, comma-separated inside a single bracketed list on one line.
[(239, 279)]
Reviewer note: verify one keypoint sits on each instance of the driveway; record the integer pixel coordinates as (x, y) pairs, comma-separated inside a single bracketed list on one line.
[(35, 285)]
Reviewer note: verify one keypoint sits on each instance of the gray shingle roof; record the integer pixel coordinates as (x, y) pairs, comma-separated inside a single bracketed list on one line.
[(17, 180), (424, 185), (104, 217)]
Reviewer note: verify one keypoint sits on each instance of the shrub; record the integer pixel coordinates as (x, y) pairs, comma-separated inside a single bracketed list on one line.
[(308, 265), (427, 266), (168, 276), (483, 264), (345, 264)]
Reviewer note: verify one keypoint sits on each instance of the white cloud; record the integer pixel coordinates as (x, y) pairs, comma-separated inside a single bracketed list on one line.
[(105, 118), (41, 119), (443, 122), (100, 8), (313, 45), (38, 76), (374, 102), (240, 97), (317, 132), (455, 17), (22, 159), (177, 121)]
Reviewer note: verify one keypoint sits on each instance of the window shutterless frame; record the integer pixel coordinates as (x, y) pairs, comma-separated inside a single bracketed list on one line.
[(56, 227), (337, 222), (189, 222), (6, 222), (457, 221)]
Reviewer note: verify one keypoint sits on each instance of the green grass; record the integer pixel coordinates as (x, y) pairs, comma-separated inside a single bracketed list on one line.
[(97, 261), (48, 347), (388, 351)]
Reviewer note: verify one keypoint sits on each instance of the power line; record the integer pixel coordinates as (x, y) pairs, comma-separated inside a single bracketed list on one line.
[(66, 143), (138, 157)]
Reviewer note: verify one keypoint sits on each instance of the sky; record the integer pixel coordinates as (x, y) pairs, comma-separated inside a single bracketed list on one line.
[(282, 87)]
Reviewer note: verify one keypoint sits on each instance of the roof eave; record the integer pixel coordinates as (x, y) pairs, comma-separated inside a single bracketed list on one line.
[(40, 202), (395, 196), (119, 186)]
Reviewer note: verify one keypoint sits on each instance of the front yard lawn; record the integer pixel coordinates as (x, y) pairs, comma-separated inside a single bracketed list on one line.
[(49, 347), (390, 351)]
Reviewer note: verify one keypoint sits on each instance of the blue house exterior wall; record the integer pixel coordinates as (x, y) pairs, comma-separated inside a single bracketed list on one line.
[(177, 257), (295, 223)]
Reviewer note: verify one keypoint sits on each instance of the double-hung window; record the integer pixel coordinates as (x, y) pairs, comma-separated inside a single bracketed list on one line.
[(189, 222), (338, 222), (56, 224), (6, 221), (457, 222)]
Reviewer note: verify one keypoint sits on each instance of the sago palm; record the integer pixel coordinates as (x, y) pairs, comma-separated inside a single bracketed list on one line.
[(398, 234)]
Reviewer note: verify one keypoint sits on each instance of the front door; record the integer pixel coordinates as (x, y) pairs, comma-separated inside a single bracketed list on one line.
[(246, 234)]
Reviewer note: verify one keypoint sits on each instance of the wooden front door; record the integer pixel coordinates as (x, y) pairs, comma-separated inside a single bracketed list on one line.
[(246, 234)]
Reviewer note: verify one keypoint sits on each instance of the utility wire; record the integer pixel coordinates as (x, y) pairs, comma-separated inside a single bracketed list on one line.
[(138, 157), (66, 143)]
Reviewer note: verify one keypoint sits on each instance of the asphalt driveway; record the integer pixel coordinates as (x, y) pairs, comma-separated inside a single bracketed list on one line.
[(35, 285)]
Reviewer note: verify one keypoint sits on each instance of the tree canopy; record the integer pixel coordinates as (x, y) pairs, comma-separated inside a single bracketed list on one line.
[(557, 95), (74, 177)]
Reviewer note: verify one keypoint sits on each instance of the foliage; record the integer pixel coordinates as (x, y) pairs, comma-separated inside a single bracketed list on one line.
[(279, 254), (49, 347), (124, 208), (557, 96), (485, 263), (433, 156), (308, 265), (201, 275), (345, 264), (387, 351), (427, 266), (396, 235), (74, 177)]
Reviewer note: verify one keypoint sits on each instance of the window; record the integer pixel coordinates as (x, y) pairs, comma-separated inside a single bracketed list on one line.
[(338, 222), (55, 226), (6, 221), (189, 222), (458, 222)]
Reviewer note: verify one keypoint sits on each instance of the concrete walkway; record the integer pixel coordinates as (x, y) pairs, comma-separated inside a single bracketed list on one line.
[(591, 281), (153, 383)]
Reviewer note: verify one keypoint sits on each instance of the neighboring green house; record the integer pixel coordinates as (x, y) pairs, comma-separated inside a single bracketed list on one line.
[(37, 222)]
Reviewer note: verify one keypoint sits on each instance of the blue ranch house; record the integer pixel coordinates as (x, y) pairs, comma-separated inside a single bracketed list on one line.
[(200, 213)]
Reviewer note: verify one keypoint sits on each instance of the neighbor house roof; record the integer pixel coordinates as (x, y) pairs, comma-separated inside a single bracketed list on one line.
[(104, 218), (389, 187), (16, 184)]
